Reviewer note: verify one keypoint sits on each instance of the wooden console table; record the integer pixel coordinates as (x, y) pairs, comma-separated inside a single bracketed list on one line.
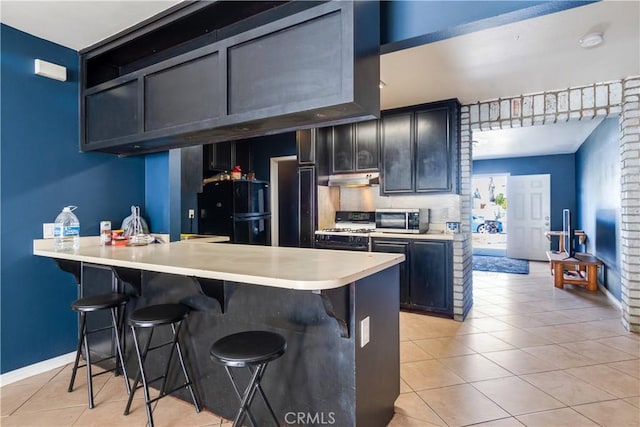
[(581, 270), (582, 237)]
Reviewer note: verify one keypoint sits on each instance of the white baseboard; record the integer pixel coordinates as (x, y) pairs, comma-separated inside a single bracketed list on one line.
[(36, 368), (610, 296)]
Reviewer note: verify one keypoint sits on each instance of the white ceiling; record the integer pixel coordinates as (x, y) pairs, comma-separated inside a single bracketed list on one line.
[(555, 138), (78, 24), (524, 57)]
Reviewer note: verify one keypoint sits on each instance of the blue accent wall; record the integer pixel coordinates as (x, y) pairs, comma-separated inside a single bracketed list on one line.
[(42, 171), (263, 148), (560, 167), (157, 192), (598, 198), (410, 23)]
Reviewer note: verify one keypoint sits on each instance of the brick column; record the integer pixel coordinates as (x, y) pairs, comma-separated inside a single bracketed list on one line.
[(630, 221), (462, 249)]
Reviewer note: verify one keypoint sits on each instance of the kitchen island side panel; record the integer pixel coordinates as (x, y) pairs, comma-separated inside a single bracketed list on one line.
[(378, 361), (322, 375)]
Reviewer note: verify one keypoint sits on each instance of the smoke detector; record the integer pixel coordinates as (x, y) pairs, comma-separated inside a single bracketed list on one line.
[(591, 40)]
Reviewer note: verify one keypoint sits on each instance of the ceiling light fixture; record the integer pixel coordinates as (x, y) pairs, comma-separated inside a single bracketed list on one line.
[(591, 40), (381, 84)]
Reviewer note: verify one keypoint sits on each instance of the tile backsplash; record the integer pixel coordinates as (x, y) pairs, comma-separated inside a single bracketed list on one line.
[(443, 207)]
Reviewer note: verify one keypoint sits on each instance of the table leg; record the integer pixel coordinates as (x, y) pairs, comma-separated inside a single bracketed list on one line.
[(558, 275), (592, 277)]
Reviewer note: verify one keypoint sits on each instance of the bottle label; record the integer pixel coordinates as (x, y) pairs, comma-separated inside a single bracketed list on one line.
[(68, 231)]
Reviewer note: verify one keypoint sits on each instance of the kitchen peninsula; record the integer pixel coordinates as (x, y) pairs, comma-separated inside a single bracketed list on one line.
[(338, 311)]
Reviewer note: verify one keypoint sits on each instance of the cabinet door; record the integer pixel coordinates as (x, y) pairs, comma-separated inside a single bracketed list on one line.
[(112, 113), (430, 270), (307, 205), (433, 150), (306, 146), (397, 247), (366, 145), (397, 153), (218, 157), (186, 93), (342, 149)]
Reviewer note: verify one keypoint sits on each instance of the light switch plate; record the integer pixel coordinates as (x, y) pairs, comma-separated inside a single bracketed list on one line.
[(47, 230), (364, 331)]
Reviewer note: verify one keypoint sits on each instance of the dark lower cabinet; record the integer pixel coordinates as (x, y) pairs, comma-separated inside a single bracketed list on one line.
[(398, 247), (426, 277), (431, 276)]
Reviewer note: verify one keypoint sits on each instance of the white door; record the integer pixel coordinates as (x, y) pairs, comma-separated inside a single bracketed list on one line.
[(529, 209)]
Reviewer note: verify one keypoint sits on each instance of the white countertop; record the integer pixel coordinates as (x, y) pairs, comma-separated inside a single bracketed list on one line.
[(291, 268)]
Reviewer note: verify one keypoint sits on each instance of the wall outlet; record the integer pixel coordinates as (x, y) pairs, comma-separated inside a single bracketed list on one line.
[(364, 331), (192, 213), (47, 230)]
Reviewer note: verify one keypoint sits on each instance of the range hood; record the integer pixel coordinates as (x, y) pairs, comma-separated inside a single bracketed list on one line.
[(354, 180)]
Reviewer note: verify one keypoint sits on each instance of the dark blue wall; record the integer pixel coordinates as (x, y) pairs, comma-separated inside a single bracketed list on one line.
[(410, 23), (598, 197), (41, 171), (560, 167), (157, 192), (265, 147)]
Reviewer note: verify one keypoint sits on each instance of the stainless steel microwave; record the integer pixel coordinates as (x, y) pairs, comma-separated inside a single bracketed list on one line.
[(404, 220)]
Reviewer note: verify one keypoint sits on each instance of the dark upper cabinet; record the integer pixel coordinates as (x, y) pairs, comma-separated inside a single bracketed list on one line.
[(342, 159), (354, 147), (397, 153), (367, 145), (420, 149), (112, 113), (207, 72), (426, 276), (306, 146), (224, 156), (185, 93)]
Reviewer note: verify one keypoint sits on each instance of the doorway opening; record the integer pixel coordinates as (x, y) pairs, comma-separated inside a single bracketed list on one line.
[(489, 214)]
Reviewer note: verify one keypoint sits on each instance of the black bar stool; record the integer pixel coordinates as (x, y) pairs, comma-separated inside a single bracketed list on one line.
[(151, 317), (115, 303), (253, 350)]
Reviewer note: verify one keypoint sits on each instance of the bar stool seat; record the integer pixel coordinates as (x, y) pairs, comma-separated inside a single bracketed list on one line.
[(113, 302), (151, 317), (253, 350)]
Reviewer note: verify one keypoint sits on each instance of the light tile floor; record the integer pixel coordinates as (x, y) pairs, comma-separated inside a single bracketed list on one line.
[(528, 354)]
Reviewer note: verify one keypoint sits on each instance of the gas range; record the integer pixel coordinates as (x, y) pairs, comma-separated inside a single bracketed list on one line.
[(351, 232)]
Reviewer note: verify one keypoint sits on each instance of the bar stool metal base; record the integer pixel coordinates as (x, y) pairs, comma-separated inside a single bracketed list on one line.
[(114, 303), (151, 317), (253, 350)]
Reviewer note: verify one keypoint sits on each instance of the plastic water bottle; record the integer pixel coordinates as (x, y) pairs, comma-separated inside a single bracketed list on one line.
[(66, 230)]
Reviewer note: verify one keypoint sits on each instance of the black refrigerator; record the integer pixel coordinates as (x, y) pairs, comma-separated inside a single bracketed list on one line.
[(238, 209)]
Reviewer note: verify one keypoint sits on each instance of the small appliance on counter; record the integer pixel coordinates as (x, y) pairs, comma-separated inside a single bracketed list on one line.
[(350, 232), (236, 208), (403, 220)]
